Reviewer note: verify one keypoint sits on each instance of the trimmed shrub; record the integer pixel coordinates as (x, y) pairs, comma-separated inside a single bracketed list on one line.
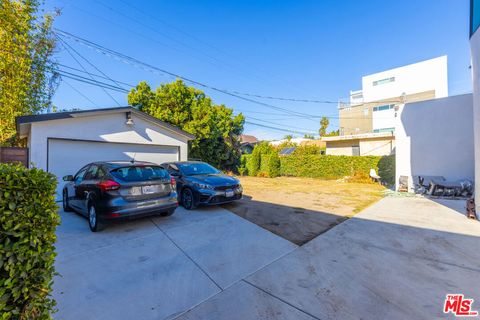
[(242, 169), (273, 165), (386, 169), (265, 159), (253, 165), (307, 149), (327, 167), (28, 219)]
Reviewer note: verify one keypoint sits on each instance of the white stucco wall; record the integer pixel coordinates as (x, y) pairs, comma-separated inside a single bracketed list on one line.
[(435, 138), (377, 147), (413, 78), (368, 147), (108, 127), (475, 49)]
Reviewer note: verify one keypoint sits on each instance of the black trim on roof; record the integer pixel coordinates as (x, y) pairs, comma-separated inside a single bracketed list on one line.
[(71, 114)]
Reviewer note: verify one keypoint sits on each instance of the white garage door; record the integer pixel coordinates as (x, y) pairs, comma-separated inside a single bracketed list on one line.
[(68, 156)]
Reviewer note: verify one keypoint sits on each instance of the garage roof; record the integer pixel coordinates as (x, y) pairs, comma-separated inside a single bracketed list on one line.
[(23, 122)]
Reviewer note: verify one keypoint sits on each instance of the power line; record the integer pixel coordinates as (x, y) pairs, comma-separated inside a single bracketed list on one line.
[(274, 123), (95, 75), (262, 77), (78, 62), (91, 82), (91, 64), (80, 93), (309, 100), (127, 59), (64, 72), (280, 129), (130, 60)]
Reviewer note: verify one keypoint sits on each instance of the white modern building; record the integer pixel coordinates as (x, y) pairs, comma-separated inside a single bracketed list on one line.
[(475, 50), (372, 109)]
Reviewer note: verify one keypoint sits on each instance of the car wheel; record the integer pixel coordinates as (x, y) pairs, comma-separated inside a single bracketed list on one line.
[(93, 220), (66, 207), (167, 213), (188, 201)]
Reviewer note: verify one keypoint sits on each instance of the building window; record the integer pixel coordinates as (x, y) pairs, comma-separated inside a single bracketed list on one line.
[(384, 130), (384, 107), (355, 150), (474, 16), (383, 81)]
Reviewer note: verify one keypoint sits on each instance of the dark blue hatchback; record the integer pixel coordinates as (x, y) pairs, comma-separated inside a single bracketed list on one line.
[(198, 183)]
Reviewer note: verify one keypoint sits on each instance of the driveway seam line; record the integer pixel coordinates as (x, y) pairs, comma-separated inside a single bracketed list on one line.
[(186, 254), (262, 267), (282, 300)]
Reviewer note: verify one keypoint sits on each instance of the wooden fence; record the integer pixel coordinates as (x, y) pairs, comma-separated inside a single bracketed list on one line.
[(14, 154)]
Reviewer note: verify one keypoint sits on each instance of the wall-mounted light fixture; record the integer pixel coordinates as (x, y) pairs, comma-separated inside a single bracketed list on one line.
[(129, 121)]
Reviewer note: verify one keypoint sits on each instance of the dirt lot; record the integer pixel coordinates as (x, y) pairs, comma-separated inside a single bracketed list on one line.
[(299, 209)]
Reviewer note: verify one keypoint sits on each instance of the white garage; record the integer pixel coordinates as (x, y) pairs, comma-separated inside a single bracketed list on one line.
[(62, 143)]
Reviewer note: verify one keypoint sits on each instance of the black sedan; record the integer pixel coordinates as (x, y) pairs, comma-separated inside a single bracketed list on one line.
[(198, 183), (104, 191)]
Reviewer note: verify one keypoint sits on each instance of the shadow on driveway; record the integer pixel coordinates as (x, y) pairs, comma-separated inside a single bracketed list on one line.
[(296, 224)]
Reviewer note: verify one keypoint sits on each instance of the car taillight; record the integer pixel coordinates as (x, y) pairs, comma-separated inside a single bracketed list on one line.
[(108, 185), (173, 183)]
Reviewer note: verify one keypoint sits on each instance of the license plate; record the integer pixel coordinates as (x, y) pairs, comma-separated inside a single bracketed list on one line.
[(150, 189), (229, 193)]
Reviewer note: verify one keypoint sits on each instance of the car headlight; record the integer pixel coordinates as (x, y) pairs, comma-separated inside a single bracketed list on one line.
[(240, 188), (203, 186)]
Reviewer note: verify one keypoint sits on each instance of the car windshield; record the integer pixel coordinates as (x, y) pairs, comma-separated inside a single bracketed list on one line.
[(139, 173), (191, 169)]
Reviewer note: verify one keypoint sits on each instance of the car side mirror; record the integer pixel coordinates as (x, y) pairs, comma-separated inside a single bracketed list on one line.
[(175, 174), (68, 178)]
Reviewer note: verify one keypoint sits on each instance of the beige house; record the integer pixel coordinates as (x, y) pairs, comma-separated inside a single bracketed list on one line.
[(367, 144)]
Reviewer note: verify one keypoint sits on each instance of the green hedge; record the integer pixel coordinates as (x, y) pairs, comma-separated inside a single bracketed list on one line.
[(328, 166), (28, 219)]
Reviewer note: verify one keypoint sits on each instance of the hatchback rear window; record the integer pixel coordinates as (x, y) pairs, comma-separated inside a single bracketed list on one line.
[(140, 173)]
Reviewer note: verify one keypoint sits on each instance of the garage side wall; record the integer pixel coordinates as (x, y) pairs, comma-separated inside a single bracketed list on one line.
[(106, 128), (435, 138)]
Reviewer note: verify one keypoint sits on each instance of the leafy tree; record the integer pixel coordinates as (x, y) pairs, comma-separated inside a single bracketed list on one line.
[(27, 77), (215, 127), (288, 137), (308, 136), (324, 122)]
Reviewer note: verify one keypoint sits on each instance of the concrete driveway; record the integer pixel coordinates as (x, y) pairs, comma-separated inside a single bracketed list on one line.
[(395, 260), (156, 268)]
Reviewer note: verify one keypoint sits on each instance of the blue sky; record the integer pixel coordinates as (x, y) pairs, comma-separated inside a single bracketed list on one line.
[(296, 49)]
